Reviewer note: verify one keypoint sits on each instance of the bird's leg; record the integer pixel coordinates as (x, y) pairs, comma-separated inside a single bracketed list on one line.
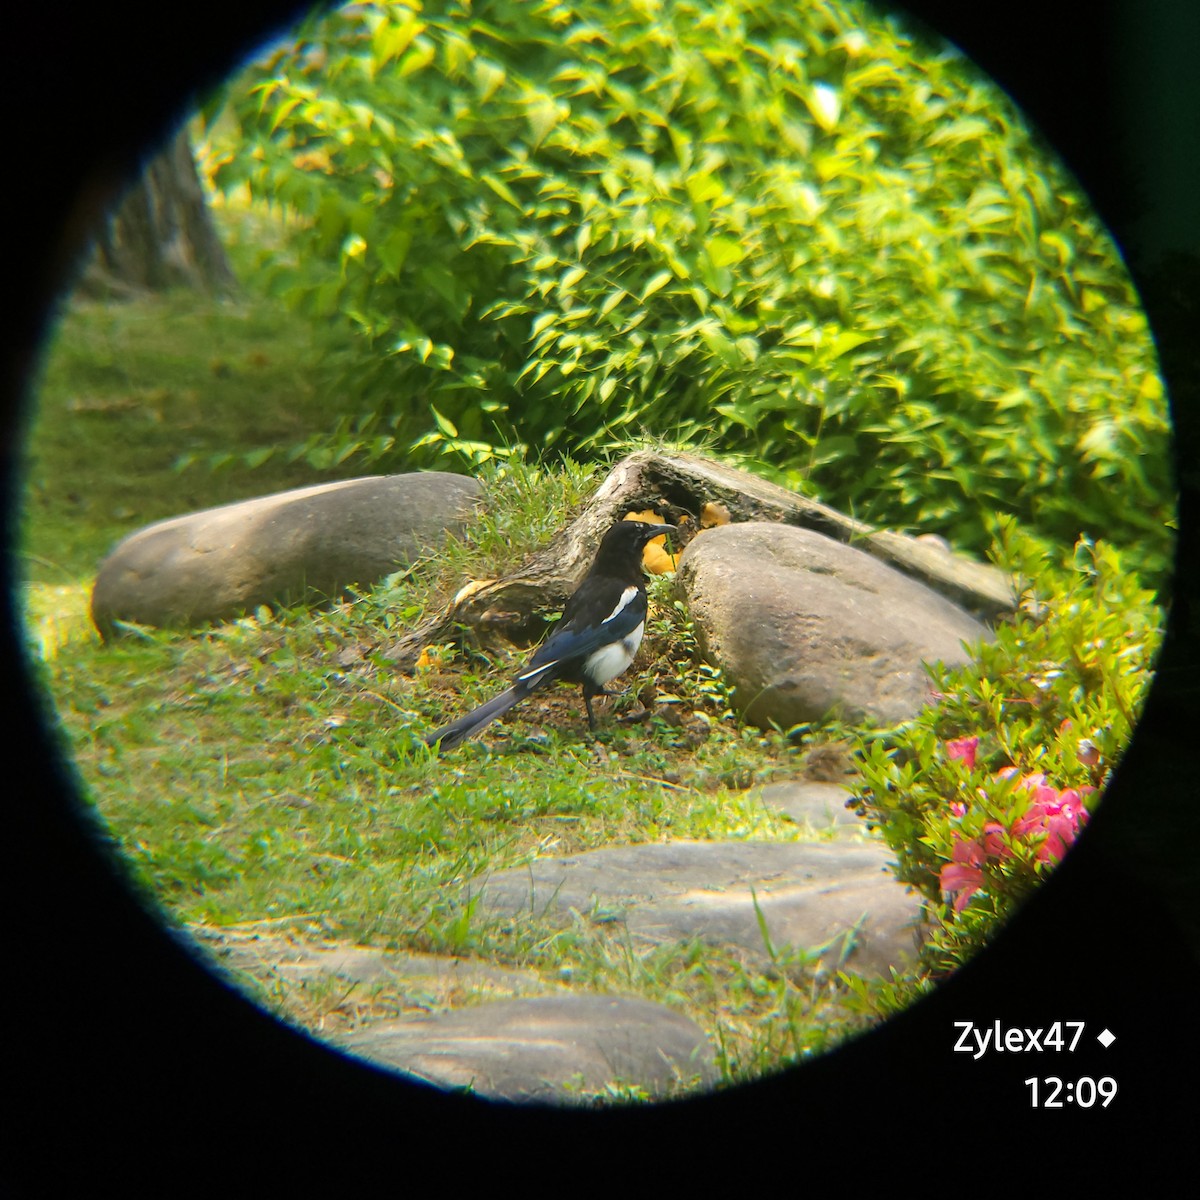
[(587, 703)]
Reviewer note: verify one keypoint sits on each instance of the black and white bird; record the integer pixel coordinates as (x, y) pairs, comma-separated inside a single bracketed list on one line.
[(594, 641)]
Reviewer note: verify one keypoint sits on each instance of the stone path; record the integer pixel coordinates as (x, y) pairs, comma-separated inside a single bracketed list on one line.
[(829, 898), (511, 1034)]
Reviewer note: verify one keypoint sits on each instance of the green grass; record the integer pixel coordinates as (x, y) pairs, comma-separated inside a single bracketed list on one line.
[(266, 770), (266, 773), (128, 390)]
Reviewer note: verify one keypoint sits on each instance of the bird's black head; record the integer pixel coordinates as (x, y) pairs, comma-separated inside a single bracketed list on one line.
[(620, 552), (635, 533)]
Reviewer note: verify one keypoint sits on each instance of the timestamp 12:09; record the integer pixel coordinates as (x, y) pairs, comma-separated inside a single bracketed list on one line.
[(1052, 1092)]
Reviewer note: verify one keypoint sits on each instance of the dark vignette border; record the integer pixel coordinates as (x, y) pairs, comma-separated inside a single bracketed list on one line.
[(125, 1061)]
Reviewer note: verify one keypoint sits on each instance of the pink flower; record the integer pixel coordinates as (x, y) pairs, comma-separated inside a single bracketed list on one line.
[(962, 877), (993, 841), (965, 749), (1053, 817), (962, 881), (1058, 816)]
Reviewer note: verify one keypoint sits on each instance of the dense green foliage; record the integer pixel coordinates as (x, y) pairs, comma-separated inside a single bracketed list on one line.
[(795, 231)]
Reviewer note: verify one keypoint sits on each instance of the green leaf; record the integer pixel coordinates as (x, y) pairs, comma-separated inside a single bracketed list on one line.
[(543, 113), (283, 111), (571, 278), (657, 283), (612, 300), (444, 423), (488, 76), (418, 58), (392, 38), (825, 105), (393, 250), (720, 344), (842, 343), (502, 190), (724, 251)]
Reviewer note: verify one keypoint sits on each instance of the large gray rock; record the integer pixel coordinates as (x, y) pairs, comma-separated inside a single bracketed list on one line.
[(548, 1048), (692, 482), (223, 561), (805, 627)]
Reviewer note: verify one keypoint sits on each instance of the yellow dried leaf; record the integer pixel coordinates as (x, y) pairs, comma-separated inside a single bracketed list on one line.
[(656, 560), (713, 514), (313, 160)]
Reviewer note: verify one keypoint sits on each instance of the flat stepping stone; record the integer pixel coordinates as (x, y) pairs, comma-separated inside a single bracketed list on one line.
[(217, 563), (820, 806), (552, 1049), (833, 900), (300, 964)]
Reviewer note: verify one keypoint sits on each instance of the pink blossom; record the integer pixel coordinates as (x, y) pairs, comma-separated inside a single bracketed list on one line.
[(965, 749), (1059, 816), (993, 841), (967, 850), (962, 881), (962, 877), (1054, 817)]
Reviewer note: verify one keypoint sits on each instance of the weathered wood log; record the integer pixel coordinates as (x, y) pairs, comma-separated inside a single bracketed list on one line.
[(678, 486)]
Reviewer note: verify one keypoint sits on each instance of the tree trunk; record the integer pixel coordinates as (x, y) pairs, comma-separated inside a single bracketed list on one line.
[(162, 234)]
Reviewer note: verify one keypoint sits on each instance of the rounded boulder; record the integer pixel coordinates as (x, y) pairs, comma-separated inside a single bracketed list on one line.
[(806, 627), (219, 562)]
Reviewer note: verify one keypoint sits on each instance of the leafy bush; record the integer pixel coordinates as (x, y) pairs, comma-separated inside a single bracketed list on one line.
[(987, 789), (796, 229)]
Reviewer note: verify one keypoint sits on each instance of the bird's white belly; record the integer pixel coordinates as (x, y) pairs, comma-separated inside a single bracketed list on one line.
[(610, 661)]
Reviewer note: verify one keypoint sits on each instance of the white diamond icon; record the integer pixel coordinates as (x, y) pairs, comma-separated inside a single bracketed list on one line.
[(1106, 1039)]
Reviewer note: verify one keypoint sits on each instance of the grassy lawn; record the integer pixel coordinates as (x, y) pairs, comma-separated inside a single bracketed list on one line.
[(261, 774)]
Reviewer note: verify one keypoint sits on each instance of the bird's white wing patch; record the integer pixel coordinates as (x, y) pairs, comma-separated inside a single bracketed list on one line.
[(609, 660), (626, 599)]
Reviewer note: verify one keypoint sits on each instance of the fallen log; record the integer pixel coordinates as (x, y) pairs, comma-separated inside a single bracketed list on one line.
[(679, 487)]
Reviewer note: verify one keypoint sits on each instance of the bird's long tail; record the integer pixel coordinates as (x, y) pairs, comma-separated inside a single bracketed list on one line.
[(458, 731)]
